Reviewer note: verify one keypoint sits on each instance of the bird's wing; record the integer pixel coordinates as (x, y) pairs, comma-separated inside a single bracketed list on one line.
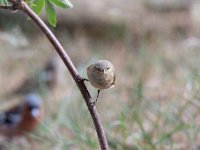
[(11, 117), (114, 79)]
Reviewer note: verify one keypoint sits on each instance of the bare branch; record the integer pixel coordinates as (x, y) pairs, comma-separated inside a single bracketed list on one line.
[(20, 5)]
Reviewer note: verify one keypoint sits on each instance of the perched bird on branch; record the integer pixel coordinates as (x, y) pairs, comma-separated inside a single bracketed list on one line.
[(101, 75), (22, 118)]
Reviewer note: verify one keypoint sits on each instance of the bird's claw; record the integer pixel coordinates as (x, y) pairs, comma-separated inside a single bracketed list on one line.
[(84, 79)]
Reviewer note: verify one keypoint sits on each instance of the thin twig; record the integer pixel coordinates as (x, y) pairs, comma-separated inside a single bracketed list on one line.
[(20, 5)]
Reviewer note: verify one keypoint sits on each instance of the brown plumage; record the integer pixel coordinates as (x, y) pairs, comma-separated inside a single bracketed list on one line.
[(101, 75), (22, 118), (46, 78)]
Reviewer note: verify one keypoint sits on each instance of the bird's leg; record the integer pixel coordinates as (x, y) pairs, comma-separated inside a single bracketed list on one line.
[(98, 92), (92, 104), (84, 79)]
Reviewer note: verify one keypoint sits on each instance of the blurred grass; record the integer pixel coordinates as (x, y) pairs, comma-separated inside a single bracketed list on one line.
[(154, 105)]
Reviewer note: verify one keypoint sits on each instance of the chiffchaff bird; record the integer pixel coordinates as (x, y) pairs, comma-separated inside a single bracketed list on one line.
[(101, 75)]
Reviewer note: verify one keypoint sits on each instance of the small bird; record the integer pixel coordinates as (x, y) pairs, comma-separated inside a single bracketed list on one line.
[(101, 75), (22, 118), (47, 77)]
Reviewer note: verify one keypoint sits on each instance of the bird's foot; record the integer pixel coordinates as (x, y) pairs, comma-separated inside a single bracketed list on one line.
[(92, 104), (84, 79)]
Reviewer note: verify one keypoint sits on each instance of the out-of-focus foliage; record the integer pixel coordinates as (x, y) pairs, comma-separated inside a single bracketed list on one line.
[(4, 2), (38, 5), (155, 104)]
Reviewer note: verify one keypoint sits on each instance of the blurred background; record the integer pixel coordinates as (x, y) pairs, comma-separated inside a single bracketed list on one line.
[(154, 46)]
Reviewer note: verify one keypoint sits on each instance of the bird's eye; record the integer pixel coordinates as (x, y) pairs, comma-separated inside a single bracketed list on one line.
[(108, 68), (98, 68)]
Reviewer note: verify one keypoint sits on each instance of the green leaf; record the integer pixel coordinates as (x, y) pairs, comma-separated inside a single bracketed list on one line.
[(51, 13), (62, 3), (37, 6), (4, 2)]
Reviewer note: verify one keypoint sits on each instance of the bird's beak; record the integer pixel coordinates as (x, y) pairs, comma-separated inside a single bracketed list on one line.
[(35, 112)]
